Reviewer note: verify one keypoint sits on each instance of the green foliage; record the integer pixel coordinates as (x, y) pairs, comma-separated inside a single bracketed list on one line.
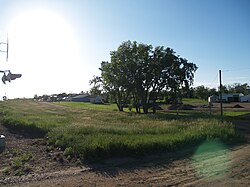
[(68, 151), (139, 72), (236, 114), (97, 134), (194, 100), (236, 88), (203, 92), (20, 164)]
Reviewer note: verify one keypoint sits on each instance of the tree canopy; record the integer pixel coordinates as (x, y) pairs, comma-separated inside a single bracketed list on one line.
[(137, 73)]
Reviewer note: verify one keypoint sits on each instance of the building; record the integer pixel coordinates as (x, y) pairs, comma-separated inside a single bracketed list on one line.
[(86, 98), (245, 98), (232, 97)]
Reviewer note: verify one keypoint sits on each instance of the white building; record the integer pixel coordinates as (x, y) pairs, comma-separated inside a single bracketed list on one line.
[(245, 98), (232, 97)]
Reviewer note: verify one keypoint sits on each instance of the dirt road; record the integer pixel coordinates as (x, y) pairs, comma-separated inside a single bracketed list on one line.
[(225, 166)]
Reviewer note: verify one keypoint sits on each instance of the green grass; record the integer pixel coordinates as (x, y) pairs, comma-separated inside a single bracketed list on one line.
[(194, 100), (236, 113), (84, 105), (92, 132)]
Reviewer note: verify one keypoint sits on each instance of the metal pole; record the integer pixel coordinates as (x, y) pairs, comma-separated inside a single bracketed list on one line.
[(221, 112)]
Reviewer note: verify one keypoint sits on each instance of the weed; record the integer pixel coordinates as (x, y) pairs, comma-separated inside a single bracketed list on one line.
[(20, 164)]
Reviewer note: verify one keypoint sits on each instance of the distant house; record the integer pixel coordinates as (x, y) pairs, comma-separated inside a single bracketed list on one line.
[(245, 98), (232, 97), (86, 98)]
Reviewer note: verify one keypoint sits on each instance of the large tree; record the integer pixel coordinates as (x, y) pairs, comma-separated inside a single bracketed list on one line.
[(139, 72)]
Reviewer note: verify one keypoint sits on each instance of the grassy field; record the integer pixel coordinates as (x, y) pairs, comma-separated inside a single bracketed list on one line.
[(236, 113), (93, 132), (194, 100), (109, 107)]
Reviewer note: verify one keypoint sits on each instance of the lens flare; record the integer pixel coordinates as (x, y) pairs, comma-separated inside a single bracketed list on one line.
[(211, 159)]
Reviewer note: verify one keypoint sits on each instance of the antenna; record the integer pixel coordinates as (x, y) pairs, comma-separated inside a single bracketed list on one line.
[(7, 55), (7, 48)]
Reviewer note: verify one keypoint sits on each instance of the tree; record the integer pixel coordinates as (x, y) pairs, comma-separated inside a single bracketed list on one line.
[(35, 96), (139, 72), (238, 88), (224, 89), (97, 86), (202, 92)]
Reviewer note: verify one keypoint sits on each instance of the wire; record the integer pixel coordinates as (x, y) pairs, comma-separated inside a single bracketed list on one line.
[(216, 77), (241, 69)]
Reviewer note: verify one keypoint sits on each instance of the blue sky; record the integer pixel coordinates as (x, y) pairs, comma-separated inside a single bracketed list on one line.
[(58, 45)]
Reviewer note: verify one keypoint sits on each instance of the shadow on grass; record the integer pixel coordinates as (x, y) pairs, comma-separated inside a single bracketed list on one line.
[(182, 114), (241, 123), (27, 131)]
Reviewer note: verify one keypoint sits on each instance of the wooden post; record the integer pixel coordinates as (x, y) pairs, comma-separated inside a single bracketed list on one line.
[(221, 112)]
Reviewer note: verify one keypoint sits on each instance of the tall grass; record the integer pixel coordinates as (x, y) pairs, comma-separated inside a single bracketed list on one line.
[(94, 134)]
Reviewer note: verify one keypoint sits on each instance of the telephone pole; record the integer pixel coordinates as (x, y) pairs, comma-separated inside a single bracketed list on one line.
[(221, 112)]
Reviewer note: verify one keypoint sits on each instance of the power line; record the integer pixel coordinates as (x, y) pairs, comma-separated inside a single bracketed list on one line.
[(215, 79), (240, 69)]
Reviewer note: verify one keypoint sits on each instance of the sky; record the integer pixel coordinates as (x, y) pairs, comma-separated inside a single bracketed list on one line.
[(58, 45)]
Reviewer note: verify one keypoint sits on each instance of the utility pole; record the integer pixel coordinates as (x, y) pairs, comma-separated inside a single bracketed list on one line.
[(221, 112), (10, 76)]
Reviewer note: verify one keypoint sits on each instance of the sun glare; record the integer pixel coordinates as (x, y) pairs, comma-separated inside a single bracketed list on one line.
[(42, 46)]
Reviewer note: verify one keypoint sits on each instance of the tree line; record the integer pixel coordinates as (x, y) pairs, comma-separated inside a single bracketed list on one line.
[(203, 92)]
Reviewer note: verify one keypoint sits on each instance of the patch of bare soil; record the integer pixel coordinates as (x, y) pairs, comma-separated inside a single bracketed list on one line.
[(229, 166), (181, 107), (26, 158), (237, 106)]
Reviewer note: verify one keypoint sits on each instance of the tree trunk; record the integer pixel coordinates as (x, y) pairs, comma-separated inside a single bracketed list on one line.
[(120, 107), (137, 107), (145, 108), (154, 107)]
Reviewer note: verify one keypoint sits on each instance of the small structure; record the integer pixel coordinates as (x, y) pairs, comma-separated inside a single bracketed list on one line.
[(96, 99), (232, 97), (86, 98), (245, 98), (213, 99)]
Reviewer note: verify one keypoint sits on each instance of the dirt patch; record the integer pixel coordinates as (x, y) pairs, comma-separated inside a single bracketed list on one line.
[(237, 106), (25, 156), (181, 107)]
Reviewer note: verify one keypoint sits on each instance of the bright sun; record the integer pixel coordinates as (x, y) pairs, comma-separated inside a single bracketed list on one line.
[(42, 43)]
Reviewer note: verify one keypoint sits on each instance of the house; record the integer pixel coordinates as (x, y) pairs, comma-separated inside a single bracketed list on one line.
[(80, 98), (232, 97), (97, 99), (245, 98), (86, 98)]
